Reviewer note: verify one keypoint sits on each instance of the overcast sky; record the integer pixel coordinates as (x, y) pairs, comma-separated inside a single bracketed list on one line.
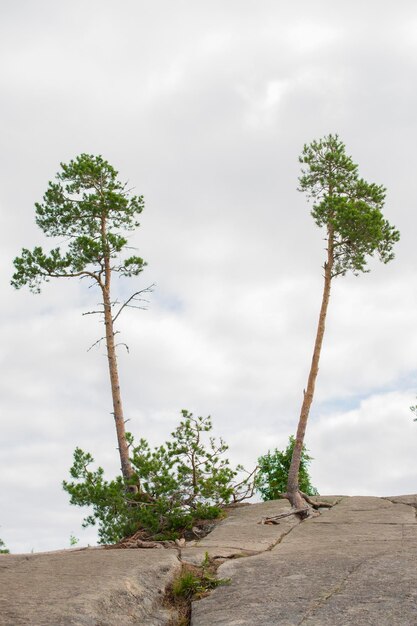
[(204, 108)]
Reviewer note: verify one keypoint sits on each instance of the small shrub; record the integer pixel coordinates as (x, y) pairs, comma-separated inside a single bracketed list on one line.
[(192, 583), (186, 479), (271, 480), (3, 549), (186, 585), (196, 581)]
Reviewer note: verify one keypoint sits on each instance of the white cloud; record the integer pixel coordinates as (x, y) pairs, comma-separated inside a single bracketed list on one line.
[(305, 37), (204, 109), (371, 447), (262, 106)]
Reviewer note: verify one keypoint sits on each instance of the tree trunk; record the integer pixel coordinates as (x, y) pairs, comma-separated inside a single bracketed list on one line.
[(126, 465), (293, 493)]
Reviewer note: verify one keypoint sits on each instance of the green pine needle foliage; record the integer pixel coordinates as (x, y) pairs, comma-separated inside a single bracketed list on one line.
[(87, 208), (272, 477), (348, 206), (184, 480)]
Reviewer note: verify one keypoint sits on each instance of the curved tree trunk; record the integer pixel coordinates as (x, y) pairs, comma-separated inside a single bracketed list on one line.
[(293, 493)]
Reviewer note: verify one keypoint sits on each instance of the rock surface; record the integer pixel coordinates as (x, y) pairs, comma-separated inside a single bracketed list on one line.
[(356, 564), (240, 534), (98, 587), (92, 587)]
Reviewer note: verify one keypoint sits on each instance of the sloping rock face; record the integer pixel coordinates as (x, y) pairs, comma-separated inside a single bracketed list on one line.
[(241, 534), (92, 587), (99, 587), (354, 565)]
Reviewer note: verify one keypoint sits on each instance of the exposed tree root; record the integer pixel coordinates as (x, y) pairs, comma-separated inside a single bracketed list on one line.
[(143, 539), (303, 506), (140, 543), (317, 504), (274, 519)]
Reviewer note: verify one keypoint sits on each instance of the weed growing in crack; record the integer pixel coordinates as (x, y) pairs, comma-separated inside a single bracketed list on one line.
[(197, 582), (192, 583)]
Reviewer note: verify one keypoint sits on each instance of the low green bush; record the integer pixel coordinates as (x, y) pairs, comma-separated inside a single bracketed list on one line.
[(182, 481), (271, 480), (3, 549), (195, 582)]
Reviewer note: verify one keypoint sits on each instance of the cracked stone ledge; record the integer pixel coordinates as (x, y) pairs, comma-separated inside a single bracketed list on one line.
[(299, 581), (83, 587), (240, 534)]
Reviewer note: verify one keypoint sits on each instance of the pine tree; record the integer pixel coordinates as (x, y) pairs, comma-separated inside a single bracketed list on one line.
[(350, 211), (89, 208)]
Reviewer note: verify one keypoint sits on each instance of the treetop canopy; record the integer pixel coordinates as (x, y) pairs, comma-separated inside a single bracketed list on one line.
[(348, 206), (90, 207)]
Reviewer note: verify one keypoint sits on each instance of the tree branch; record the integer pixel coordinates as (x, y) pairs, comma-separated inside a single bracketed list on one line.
[(245, 483), (133, 298), (72, 275), (122, 344), (93, 313), (95, 343)]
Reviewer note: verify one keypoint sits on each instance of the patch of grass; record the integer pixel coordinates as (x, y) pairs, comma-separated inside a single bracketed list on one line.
[(186, 585), (191, 584)]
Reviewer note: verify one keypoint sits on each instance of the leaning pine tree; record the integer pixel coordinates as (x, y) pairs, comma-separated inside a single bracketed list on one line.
[(89, 208), (349, 209)]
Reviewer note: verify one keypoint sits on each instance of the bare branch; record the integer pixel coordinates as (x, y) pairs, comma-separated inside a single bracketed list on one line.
[(246, 487), (122, 344), (96, 343), (93, 313), (98, 283), (133, 297)]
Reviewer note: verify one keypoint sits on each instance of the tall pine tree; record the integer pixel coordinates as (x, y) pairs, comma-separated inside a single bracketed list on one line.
[(349, 209), (91, 210)]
